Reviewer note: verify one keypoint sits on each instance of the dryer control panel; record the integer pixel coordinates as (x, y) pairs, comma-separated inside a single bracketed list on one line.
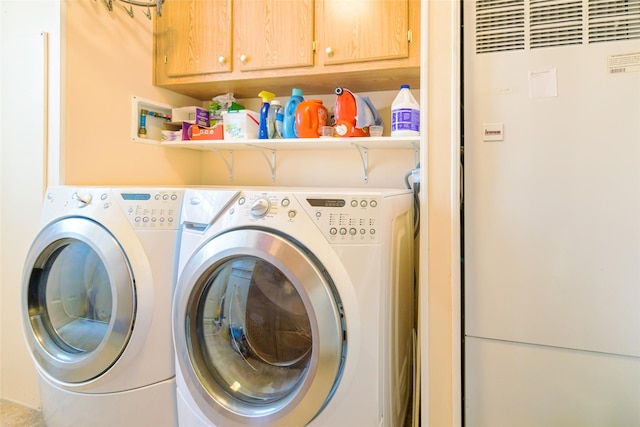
[(352, 219), (150, 208)]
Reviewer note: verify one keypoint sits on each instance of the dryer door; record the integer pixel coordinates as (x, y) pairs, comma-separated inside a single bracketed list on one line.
[(259, 330), (78, 300)]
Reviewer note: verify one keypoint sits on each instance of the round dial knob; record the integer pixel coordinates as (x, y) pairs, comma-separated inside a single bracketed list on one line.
[(82, 199), (260, 208)]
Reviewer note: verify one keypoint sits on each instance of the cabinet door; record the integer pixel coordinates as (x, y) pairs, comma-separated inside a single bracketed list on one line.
[(271, 34), (194, 37), (354, 31)]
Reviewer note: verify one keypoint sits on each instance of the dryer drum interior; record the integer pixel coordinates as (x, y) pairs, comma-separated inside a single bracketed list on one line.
[(79, 298), (253, 311)]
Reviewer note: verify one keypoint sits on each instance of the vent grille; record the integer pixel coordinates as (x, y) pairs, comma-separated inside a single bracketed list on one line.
[(555, 23), (499, 25), (611, 20), (507, 25)]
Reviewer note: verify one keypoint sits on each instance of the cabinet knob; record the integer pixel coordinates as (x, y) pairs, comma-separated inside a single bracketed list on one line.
[(222, 59), (243, 59), (328, 51)]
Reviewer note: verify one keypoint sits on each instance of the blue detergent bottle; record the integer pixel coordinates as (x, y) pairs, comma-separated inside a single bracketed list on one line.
[(289, 128), (263, 127)]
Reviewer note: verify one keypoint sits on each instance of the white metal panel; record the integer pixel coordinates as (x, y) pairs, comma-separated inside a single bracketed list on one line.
[(552, 211), (513, 384)]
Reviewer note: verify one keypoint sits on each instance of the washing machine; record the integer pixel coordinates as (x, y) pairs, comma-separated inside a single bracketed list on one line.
[(97, 288), (294, 307)]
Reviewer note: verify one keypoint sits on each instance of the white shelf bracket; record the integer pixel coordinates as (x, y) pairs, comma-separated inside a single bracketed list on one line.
[(228, 162), (271, 162), (416, 153), (364, 155)]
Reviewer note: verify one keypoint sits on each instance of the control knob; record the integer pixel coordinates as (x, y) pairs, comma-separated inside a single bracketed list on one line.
[(82, 199), (260, 208)]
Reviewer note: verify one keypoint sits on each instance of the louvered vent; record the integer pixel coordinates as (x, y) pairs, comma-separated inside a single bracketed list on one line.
[(499, 25), (555, 23), (611, 20)]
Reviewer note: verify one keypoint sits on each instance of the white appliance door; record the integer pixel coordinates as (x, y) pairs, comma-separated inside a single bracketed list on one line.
[(78, 300), (258, 330), (552, 212)]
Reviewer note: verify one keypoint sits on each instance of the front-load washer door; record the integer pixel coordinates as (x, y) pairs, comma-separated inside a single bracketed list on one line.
[(259, 330), (78, 300)]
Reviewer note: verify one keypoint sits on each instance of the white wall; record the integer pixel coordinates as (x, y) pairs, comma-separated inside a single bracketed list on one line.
[(22, 136)]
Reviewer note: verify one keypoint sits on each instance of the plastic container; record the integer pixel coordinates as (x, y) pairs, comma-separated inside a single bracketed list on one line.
[(240, 124), (263, 129), (311, 117), (289, 128), (405, 114), (275, 120)]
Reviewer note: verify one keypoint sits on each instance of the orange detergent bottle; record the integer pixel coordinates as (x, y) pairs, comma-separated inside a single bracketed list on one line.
[(311, 116)]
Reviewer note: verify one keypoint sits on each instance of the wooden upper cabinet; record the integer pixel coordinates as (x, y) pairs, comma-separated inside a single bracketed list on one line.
[(193, 37), (362, 30), (273, 34)]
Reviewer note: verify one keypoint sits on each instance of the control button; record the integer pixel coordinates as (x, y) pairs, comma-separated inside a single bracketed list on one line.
[(153, 219), (318, 214), (241, 200), (157, 197), (103, 196), (137, 219), (194, 200), (354, 203), (145, 219), (372, 231), (363, 231), (286, 202), (333, 231), (343, 231), (373, 203), (174, 197), (363, 203), (352, 231), (165, 197), (170, 219), (292, 214), (161, 219)]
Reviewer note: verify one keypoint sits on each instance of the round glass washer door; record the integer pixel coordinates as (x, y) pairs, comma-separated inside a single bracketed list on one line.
[(78, 300), (259, 330)]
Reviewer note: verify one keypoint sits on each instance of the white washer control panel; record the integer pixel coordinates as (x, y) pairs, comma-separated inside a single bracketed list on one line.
[(152, 209), (353, 219)]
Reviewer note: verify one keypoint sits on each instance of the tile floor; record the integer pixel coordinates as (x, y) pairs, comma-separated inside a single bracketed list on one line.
[(15, 415)]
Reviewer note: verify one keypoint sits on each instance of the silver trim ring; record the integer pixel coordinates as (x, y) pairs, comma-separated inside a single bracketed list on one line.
[(323, 309), (62, 363)]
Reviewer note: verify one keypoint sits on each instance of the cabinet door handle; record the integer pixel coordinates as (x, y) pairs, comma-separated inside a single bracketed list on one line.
[(243, 59), (328, 51), (222, 59)]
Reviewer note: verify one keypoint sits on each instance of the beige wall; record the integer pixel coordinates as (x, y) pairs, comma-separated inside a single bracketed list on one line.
[(441, 321), (108, 62)]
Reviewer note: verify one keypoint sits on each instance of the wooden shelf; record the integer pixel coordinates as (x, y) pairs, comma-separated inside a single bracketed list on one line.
[(383, 142)]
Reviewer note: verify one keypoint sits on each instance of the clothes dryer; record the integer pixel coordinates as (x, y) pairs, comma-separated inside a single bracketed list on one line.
[(294, 307), (97, 288)]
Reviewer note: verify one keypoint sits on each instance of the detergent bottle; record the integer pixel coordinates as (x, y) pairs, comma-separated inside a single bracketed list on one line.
[(289, 129), (311, 116), (263, 128), (276, 119), (405, 114)]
